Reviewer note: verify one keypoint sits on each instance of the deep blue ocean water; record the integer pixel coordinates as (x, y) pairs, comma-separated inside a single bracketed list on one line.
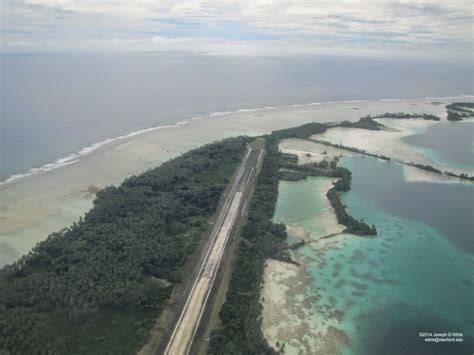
[(54, 105), (418, 271), (447, 143)]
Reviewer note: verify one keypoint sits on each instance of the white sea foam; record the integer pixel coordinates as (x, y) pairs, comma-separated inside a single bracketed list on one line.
[(355, 101), (75, 157), (450, 97), (254, 109), (389, 100)]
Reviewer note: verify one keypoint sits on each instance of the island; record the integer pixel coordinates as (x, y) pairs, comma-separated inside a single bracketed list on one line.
[(120, 279), (457, 111)]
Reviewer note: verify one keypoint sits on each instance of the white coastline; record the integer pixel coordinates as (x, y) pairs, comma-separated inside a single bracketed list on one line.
[(33, 206), (292, 313), (74, 157)]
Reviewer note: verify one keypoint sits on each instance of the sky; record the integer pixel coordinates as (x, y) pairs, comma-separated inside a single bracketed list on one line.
[(413, 28)]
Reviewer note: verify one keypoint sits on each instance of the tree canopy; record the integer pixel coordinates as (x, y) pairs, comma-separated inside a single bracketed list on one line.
[(106, 262)]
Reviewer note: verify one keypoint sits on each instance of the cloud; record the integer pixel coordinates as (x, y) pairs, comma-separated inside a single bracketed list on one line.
[(409, 27)]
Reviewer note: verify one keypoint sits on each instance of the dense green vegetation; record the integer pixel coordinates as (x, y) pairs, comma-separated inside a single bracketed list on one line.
[(353, 226), (369, 122), (95, 287), (240, 330), (352, 149), (296, 175), (293, 172), (425, 167), (455, 116), (432, 169), (403, 116), (463, 176), (366, 122), (464, 104), (457, 111), (465, 107)]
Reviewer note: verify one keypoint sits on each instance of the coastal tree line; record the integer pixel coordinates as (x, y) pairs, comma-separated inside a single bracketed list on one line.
[(457, 111), (430, 168), (240, 330), (293, 172), (406, 116), (94, 287)]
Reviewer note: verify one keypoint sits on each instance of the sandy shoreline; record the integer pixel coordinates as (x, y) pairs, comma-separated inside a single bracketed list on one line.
[(291, 314), (288, 315), (381, 142), (390, 143), (34, 206)]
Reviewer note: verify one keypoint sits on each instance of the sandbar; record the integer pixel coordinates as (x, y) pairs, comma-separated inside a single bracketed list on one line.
[(37, 205)]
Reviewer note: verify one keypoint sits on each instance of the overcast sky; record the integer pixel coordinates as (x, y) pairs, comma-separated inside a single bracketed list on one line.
[(252, 27)]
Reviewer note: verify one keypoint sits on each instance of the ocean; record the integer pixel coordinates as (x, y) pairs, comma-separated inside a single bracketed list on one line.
[(447, 143), (416, 276), (56, 108)]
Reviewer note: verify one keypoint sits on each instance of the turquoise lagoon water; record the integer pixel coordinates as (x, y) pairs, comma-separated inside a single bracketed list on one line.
[(300, 204), (415, 276), (301, 200)]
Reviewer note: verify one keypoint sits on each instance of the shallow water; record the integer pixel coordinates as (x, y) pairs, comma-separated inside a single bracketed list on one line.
[(415, 276), (300, 203), (301, 200)]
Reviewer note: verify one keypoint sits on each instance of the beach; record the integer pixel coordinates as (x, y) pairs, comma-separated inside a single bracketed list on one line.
[(34, 206), (253, 177), (289, 315), (391, 142)]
